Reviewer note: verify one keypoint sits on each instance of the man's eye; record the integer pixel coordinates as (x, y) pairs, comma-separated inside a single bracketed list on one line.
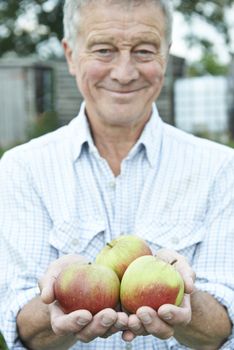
[(144, 52), (104, 52), (144, 55)]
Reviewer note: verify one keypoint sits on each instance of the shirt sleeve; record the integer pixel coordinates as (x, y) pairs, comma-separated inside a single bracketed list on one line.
[(214, 259), (25, 252)]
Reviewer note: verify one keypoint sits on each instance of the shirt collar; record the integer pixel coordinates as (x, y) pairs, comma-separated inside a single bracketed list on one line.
[(81, 134), (150, 138)]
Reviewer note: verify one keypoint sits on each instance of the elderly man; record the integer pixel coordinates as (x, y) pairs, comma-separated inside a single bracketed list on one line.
[(117, 168)]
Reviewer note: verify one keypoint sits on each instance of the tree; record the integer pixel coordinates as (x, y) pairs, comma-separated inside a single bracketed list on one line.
[(208, 63), (27, 23), (215, 13)]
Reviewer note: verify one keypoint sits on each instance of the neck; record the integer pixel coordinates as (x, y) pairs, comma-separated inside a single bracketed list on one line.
[(115, 142)]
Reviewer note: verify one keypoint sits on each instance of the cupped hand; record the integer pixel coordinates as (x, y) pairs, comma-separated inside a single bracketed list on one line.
[(84, 326), (80, 324), (162, 323)]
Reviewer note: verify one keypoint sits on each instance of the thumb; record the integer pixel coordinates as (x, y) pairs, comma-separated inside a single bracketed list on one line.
[(46, 285)]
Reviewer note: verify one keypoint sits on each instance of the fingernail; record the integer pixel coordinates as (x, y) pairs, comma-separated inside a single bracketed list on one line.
[(82, 321), (107, 321), (167, 316), (146, 318)]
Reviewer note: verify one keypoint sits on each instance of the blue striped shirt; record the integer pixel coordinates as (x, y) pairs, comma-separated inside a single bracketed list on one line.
[(59, 196)]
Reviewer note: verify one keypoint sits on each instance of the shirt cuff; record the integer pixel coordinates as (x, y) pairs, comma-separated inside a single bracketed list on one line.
[(12, 305)]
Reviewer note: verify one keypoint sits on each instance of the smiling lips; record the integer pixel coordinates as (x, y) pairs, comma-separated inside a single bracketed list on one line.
[(122, 92)]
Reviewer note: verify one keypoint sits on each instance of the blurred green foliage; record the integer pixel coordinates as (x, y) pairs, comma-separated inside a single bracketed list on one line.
[(2, 343), (44, 123), (208, 64), (48, 18), (1, 152), (231, 144)]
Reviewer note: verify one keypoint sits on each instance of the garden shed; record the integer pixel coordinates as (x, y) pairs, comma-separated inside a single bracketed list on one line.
[(25, 92)]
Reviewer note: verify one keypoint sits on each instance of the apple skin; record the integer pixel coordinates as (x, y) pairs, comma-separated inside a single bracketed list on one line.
[(150, 281), (91, 287), (120, 252)]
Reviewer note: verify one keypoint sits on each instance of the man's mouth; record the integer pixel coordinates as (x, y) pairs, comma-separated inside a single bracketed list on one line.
[(123, 91)]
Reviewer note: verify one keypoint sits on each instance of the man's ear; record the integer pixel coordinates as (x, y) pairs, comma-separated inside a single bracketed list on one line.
[(69, 57)]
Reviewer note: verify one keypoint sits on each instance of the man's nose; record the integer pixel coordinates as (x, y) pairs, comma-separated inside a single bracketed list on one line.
[(124, 69)]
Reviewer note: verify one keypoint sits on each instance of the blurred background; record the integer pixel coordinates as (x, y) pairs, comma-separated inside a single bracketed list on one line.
[(37, 95)]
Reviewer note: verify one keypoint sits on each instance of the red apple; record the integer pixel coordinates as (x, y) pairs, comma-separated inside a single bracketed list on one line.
[(150, 281), (91, 287), (120, 252)]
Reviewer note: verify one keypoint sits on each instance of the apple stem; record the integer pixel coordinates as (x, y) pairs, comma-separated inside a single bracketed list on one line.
[(174, 261), (109, 245)]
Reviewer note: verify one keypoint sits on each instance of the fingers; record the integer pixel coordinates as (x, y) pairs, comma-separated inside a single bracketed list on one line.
[(46, 283), (128, 336), (83, 325), (146, 321), (63, 324), (175, 315), (136, 326), (182, 266), (121, 324), (160, 324), (101, 323), (153, 324)]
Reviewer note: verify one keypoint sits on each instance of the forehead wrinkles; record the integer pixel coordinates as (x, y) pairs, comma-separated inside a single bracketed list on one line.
[(101, 17), (126, 28)]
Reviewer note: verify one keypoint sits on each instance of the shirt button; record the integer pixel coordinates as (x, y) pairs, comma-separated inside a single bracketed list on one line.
[(92, 150), (175, 240), (112, 184), (75, 241), (128, 346)]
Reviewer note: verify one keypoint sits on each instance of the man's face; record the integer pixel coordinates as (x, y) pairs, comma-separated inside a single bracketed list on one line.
[(120, 61)]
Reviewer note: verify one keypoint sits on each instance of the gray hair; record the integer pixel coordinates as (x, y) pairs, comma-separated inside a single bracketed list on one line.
[(72, 10)]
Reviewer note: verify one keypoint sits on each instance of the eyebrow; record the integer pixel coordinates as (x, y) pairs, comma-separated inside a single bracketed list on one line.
[(145, 38), (99, 39)]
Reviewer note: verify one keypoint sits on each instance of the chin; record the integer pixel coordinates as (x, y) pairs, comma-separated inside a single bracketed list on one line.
[(121, 119)]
